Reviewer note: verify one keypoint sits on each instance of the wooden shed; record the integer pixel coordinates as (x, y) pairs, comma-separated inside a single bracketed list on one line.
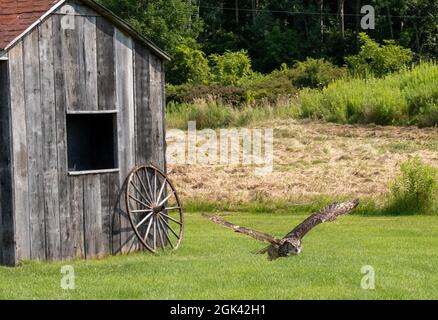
[(81, 103)]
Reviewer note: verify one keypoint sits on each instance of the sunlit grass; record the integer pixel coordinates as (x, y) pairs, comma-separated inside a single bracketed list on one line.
[(215, 263)]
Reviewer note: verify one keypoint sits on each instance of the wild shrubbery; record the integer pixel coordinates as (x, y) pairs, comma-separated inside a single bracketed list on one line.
[(190, 66), (379, 86), (378, 60), (409, 97), (231, 68), (229, 79), (315, 73), (414, 191), (259, 90)]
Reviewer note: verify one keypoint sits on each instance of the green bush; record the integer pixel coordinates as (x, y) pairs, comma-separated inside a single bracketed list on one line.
[(414, 190), (378, 60), (232, 81), (315, 73), (257, 90), (189, 66), (231, 67)]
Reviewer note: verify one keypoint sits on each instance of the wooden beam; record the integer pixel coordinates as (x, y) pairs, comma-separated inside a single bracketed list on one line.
[(92, 172)]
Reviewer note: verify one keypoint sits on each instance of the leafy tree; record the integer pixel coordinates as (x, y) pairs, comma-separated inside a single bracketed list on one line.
[(282, 31), (377, 59), (231, 67), (277, 46), (315, 73), (168, 23), (189, 66)]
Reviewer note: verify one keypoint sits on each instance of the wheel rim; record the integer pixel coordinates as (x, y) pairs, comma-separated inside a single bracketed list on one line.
[(154, 209)]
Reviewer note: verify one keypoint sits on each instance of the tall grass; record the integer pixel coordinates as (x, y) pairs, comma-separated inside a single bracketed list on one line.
[(406, 98), (214, 115)]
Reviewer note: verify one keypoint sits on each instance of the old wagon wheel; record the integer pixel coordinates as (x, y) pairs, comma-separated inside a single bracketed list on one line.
[(154, 209)]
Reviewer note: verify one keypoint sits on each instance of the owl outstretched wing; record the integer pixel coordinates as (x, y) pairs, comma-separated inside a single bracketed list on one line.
[(249, 232), (329, 213)]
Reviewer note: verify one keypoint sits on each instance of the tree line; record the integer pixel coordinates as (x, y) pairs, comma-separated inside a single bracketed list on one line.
[(274, 32)]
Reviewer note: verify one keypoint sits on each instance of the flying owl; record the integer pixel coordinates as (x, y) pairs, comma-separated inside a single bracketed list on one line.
[(291, 243)]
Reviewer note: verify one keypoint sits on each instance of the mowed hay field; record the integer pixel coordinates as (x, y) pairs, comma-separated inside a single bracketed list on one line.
[(313, 159)]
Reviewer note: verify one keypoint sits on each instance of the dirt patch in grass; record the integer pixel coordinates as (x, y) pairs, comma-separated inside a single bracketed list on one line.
[(314, 159)]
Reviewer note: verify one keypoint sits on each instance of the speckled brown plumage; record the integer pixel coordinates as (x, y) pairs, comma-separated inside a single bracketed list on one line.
[(291, 243)]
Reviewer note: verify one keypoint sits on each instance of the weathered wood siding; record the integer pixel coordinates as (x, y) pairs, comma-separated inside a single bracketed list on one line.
[(7, 250), (77, 61)]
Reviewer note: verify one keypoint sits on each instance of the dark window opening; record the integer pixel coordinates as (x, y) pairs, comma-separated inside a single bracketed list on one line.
[(91, 142)]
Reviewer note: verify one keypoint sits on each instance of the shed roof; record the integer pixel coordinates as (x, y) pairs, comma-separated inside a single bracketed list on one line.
[(17, 17)]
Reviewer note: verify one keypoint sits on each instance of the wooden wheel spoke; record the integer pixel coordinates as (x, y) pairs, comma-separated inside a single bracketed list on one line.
[(155, 186), (167, 198), (142, 195), (155, 234), (144, 187), (167, 236), (172, 208), (147, 231), (170, 228), (141, 211), (139, 201), (144, 220), (161, 190), (170, 218), (149, 182)]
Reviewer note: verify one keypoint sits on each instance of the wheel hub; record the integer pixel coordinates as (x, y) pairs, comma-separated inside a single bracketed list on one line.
[(158, 209)]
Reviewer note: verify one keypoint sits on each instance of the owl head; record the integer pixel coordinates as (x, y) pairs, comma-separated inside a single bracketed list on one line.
[(290, 247)]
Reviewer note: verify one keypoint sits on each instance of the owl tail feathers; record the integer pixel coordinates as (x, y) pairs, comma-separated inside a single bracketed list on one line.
[(262, 251), (271, 250)]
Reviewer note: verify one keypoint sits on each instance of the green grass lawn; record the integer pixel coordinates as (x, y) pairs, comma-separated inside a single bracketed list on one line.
[(215, 263)]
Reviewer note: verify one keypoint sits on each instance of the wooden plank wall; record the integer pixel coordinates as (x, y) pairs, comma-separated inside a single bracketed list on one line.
[(124, 239), (20, 153), (7, 250), (149, 108), (82, 64), (156, 153)]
